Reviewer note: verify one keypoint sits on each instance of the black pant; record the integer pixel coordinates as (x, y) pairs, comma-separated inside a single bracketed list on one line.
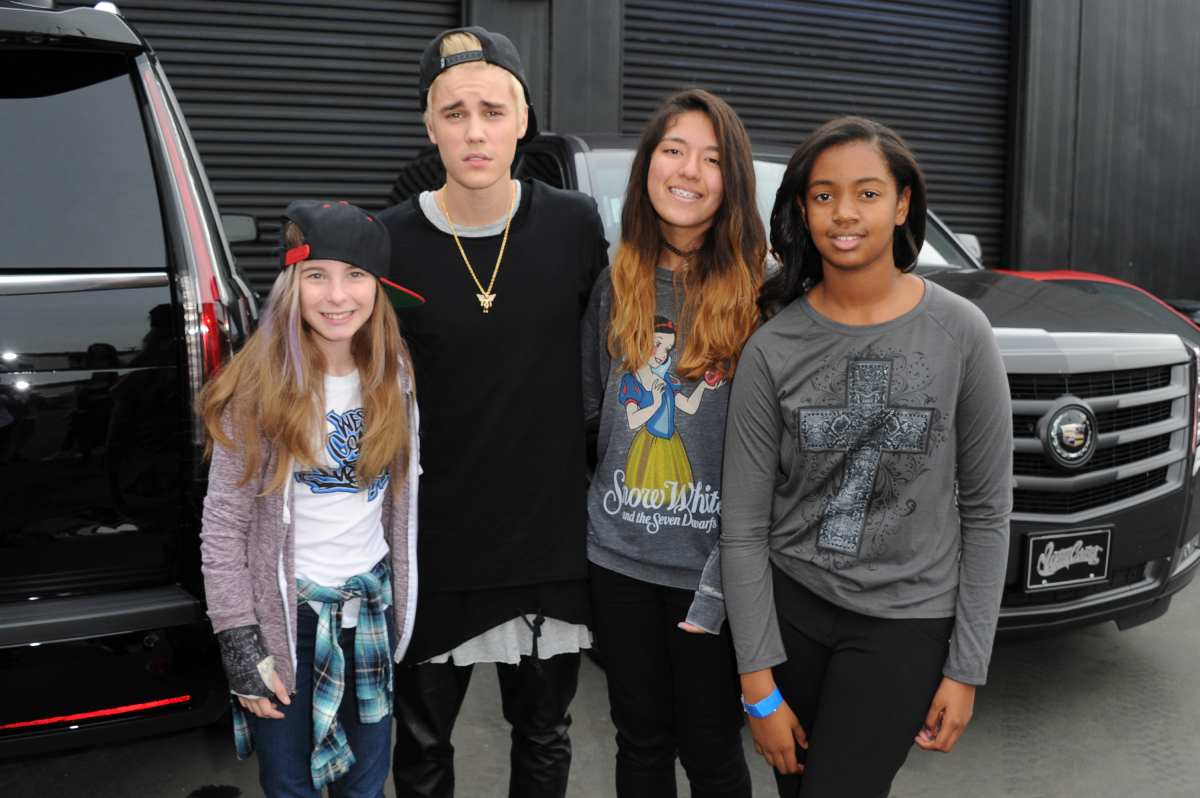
[(670, 692), (860, 686), (534, 695)]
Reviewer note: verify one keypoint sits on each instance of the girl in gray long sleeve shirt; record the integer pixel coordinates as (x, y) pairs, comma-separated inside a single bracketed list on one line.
[(660, 339), (867, 481)]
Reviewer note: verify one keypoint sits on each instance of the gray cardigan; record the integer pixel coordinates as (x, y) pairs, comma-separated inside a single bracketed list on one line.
[(247, 546)]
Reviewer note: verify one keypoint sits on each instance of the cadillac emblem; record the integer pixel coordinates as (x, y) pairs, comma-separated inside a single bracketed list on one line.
[(1069, 433)]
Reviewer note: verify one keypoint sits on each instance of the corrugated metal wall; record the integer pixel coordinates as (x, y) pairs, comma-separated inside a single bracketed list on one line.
[(295, 98), (935, 70), (1109, 139)]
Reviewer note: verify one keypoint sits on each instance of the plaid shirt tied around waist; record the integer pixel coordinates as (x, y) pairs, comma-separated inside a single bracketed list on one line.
[(331, 755)]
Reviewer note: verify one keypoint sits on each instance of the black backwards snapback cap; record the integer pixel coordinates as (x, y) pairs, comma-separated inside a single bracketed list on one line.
[(498, 50), (337, 230)]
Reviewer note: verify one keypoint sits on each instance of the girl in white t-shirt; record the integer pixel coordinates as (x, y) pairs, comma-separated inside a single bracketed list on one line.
[(309, 534)]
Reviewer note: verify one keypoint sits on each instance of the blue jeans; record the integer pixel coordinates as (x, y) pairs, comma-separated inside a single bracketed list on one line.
[(285, 745)]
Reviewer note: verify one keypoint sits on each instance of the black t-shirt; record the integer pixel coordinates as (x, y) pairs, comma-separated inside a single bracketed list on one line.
[(502, 443)]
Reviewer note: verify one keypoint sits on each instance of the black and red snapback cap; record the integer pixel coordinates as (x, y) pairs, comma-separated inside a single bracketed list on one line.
[(497, 49), (337, 230)]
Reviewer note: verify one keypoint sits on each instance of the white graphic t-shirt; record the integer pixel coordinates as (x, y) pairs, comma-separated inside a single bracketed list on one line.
[(339, 523)]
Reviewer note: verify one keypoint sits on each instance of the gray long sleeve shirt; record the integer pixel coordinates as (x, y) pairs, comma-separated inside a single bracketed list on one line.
[(654, 503), (873, 465)]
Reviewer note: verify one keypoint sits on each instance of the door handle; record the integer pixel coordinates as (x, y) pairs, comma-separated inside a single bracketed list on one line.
[(18, 284)]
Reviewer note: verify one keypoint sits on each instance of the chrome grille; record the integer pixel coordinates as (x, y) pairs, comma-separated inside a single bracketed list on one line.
[(1096, 383), (1044, 501), (1036, 464), (1139, 416), (1142, 419), (1109, 421)]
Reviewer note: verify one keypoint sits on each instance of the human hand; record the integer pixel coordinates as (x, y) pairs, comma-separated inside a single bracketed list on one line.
[(948, 716), (776, 737), (250, 670), (691, 628), (263, 707)]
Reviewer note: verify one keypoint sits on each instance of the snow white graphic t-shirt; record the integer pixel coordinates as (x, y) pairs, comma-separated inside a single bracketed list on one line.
[(654, 503), (339, 523)]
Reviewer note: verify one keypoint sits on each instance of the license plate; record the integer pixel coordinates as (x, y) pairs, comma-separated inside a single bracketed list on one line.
[(1063, 559)]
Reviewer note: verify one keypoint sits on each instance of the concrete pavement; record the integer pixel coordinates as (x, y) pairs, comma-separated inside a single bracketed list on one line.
[(1092, 713)]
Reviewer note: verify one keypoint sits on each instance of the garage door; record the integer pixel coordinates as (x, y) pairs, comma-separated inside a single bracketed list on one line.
[(294, 99), (935, 70)]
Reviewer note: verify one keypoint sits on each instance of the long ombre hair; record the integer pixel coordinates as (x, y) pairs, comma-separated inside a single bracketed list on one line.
[(274, 389), (721, 282)]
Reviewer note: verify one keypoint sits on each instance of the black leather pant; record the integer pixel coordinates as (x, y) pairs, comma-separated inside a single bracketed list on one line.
[(534, 695)]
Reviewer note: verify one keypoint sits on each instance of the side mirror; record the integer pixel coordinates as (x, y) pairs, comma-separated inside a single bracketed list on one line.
[(971, 244), (239, 227)]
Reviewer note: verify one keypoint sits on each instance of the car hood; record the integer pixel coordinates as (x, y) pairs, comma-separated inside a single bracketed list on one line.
[(1018, 302)]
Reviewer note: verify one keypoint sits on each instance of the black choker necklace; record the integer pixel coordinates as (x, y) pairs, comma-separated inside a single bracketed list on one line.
[(672, 248)]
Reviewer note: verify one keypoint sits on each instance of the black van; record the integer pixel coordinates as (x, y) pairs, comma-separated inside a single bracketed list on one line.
[(118, 297)]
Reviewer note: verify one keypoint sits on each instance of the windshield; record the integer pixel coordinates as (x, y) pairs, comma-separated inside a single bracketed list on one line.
[(79, 189), (609, 170)]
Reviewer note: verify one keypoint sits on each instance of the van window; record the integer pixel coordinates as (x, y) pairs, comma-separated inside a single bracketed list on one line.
[(79, 189)]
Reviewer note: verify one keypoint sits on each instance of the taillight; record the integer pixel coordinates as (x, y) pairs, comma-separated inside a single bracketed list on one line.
[(211, 336), (206, 325)]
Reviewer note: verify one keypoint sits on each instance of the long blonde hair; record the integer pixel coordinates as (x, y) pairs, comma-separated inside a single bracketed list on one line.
[(274, 390), (721, 284)]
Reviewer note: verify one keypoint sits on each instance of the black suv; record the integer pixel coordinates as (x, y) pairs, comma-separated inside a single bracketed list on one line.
[(118, 296)]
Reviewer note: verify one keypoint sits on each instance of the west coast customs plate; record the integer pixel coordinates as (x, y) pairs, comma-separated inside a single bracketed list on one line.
[(1066, 558)]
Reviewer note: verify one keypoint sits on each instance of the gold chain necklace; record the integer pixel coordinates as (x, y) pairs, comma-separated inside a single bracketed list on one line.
[(485, 296)]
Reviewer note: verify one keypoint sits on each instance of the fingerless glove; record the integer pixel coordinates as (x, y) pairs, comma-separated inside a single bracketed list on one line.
[(246, 661)]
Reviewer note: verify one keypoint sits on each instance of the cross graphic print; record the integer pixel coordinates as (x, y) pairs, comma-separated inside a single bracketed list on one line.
[(865, 428)]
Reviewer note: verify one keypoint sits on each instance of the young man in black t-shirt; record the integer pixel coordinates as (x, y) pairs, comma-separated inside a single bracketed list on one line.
[(506, 268)]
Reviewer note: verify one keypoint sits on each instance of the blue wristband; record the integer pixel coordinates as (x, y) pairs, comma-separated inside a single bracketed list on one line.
[(765, 707)]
